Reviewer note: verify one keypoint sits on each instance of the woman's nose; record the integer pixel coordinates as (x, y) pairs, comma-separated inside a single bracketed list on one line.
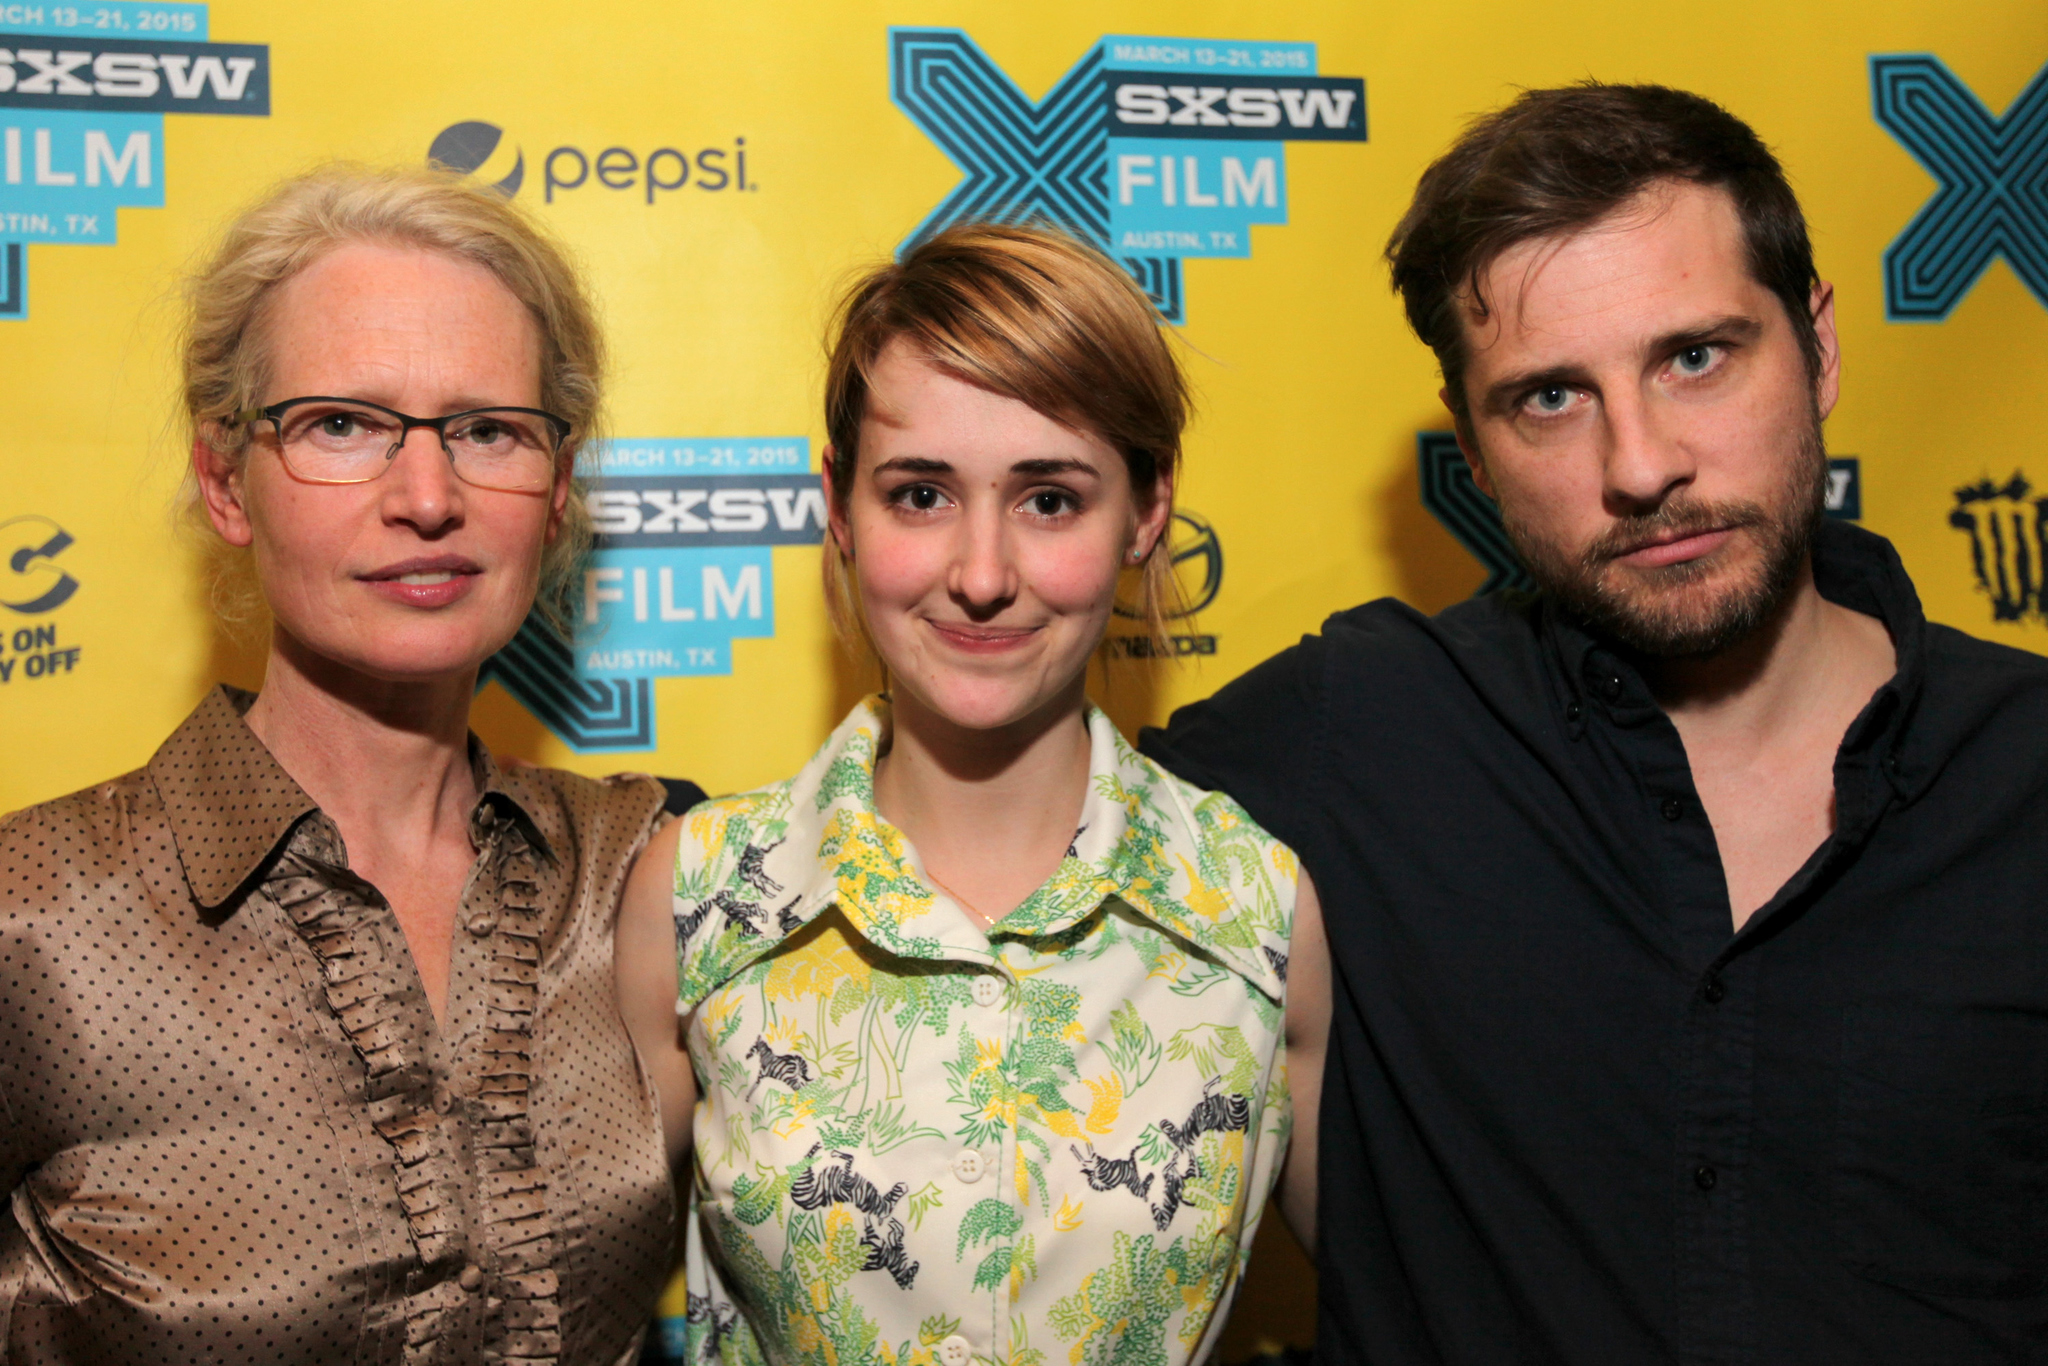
[(420, 488), (984, 575)]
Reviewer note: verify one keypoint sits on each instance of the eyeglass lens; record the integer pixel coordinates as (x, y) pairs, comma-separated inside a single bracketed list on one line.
[(339, 443)]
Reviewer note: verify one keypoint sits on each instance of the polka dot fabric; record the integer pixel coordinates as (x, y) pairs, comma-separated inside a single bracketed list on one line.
[(230, 1126)]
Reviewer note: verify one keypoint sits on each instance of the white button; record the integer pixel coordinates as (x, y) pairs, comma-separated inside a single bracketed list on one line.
[(987, 991), (968, 1166), (954, 1351)]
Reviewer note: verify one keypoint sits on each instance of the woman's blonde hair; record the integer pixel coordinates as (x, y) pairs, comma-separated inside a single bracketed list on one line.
[(1033, 315), (225, 343)]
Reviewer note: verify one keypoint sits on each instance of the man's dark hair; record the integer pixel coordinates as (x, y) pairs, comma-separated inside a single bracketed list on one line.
[(1557, 160)]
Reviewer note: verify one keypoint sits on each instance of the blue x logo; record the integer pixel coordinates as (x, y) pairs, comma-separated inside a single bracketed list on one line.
[(538, 668), (1020, 160), (1994, 185)]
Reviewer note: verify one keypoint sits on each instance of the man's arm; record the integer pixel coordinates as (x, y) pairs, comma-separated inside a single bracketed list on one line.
[(644, 968), (1308, 1033)]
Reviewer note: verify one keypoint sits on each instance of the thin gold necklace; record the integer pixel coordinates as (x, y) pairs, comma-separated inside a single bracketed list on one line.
[(963, 902)]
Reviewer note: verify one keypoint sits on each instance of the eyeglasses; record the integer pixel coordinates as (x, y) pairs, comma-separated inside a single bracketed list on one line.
[(328, 440)]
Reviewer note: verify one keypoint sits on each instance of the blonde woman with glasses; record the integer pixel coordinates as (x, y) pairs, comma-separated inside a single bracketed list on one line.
[(308, 1044), (984, 1036)]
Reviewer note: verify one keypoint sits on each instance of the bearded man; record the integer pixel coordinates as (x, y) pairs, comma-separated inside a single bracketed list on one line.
[(1689, 915)]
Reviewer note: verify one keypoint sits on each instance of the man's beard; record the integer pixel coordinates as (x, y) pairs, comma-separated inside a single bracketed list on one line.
[(1649, 610)]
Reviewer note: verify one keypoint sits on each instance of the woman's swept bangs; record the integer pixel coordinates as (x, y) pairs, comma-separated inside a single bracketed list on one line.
[(1034, 315)]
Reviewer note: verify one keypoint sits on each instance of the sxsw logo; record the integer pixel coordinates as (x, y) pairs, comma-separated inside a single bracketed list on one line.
[(1155, 149), (1309, 108), (81, 118), (114, 73), (682, 566)]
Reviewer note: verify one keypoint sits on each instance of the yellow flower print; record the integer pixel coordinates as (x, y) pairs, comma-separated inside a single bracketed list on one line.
[(1107, 1099), (1202, 899), (1064, 1124), (707, 827), (1068, 1217), (815, 968), (988, 1055), (1168, 965), (1285, 861), (801, 1108), (803, 1331), (1002, 1107), (718, 1012)]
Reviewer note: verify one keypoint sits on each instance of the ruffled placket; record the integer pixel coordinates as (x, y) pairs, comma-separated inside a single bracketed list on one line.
[(512, 1188), (484, 1245)]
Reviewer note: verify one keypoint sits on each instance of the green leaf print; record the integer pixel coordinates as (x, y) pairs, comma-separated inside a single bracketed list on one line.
[(993, 1271), (889, 1126), (923, 1202), (1217, 1050), (1200, 976), (849, 996), (1024, 1256), (842, 1136), (848, 775), (936, 1330), (754, 1200), (988, 1219), (1131, 1049), (1141, 1286), (730, 1027), (1022, 1353)]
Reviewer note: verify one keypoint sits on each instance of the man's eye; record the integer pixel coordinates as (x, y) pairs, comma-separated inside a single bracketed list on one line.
[(1551, 398), (1695, 360)]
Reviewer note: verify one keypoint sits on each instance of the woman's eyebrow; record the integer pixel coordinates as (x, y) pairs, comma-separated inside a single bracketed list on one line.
[(1054, 465), (914, 464)]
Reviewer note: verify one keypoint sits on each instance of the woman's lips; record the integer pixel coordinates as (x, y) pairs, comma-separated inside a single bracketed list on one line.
[(425, 583), (982, 640), (1663, 553)]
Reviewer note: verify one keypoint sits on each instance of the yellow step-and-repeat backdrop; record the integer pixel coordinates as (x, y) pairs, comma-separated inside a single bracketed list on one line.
[(723, 168)]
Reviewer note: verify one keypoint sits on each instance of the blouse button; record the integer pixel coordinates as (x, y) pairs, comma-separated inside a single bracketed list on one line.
[(481, 925), (955, 1351), (471, 1279), (987, 991), (968, 1166)]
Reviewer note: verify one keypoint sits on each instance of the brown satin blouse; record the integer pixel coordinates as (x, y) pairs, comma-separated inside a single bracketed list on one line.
[(230, 1127)]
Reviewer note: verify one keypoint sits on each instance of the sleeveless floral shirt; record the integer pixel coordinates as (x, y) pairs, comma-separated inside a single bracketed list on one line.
[(921, 1141)]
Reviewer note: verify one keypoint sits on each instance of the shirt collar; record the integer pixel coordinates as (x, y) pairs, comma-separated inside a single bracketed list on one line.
[(1140, 841), (1853, 568), (230, 804)]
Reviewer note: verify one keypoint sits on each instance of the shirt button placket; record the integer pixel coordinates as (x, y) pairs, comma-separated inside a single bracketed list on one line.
[(994, 991)]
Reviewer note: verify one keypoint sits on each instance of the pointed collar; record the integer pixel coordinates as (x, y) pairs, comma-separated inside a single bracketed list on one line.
[(1145, 839), (230, 804)]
